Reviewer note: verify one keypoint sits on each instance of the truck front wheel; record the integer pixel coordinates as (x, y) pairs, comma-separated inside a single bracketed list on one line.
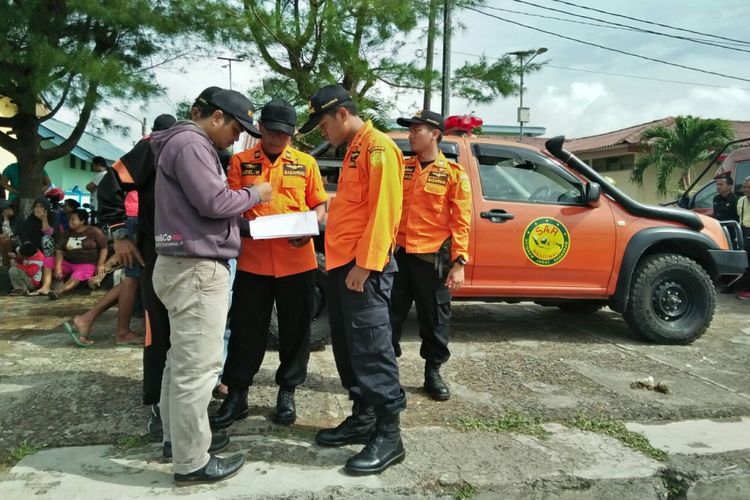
[(672, 299)]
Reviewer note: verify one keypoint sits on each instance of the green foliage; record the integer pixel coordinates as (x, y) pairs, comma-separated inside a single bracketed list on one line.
[(134, 441), (21, 451), (78, 53), (675, 150), (465, 492), (617, 430), (511, 421)]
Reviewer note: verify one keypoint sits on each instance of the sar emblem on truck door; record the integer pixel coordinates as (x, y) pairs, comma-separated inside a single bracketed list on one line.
[(546, 241)]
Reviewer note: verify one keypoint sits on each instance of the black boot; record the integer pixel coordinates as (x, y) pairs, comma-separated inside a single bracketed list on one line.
[(357, 428), (233, 408), (384, 449), (433, 382), (286, 412), (154, 422), (216, 469)]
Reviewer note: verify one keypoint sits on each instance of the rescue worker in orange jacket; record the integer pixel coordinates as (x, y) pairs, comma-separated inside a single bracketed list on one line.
[(280, 270), (360, 236), (433, 244)]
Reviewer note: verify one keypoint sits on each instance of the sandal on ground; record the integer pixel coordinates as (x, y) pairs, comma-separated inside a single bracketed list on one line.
[(53, 295), (76, 336)]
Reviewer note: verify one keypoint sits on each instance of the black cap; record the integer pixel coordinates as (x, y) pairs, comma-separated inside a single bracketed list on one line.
[(279, 115), (163, 122), (204, 96), (238, 107), (424, 117), (325, 99)]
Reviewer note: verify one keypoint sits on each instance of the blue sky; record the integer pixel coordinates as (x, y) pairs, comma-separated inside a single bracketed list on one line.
[(564, 101)]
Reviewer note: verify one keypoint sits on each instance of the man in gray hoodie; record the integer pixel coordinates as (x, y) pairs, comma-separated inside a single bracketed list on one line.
[(197, 232)]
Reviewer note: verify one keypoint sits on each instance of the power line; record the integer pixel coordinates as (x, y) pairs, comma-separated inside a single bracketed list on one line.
[(634, 77), (642, 30), (609, 48), (744, 42)]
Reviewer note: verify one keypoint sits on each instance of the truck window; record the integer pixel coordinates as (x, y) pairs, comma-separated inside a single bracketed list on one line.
[(705, 197), (508, 175), (742, 171)]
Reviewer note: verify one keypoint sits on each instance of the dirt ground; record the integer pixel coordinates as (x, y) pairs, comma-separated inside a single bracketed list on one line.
[(532, 359)]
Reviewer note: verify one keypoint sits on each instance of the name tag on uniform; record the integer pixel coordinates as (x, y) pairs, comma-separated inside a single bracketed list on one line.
[(353, 159), (294, 170), (409, 172), (250, 168), (438, 177)]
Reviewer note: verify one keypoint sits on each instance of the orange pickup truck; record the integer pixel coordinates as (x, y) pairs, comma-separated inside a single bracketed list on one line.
[(549, 229)]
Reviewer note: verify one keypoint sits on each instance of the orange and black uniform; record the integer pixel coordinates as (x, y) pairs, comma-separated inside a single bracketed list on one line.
[(273, 270), (361, 230), (437, 213)]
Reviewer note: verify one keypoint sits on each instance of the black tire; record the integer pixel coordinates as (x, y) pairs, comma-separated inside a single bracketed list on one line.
[(320, 328), (581, 306), (672, 299)]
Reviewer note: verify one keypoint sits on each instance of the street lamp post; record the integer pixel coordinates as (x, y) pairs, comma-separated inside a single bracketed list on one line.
[(523, 113), (229, 64), (141, 121)]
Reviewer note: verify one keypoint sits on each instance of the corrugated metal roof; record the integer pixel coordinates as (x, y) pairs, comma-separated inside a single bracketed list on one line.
[(88, 145)]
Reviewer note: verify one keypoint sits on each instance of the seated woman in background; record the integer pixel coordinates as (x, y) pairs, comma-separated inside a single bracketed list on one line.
[(8, 230), (80, 254), (38, 228)]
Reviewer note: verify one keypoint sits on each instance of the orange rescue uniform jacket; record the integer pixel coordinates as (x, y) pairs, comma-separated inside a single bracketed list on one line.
[(297, 187), (437, 206), (363, 217)]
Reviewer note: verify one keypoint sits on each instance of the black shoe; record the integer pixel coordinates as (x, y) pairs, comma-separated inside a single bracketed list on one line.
[(384, 449), (357, 428), (286, 412), (215, 470), (433, 382), (233, 408), (218, 443), (154, 425), (397, 349)]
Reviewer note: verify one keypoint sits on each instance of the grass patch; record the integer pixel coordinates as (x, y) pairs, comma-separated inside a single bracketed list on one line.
[(135, 441), (465, 492), (511, 421), (617, 430), (21, 451)]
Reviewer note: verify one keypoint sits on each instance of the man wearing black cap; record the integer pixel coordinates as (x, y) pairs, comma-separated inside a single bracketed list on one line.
[(360, 237), (433, 244), (136, 171), (274, 270), (197, 231)]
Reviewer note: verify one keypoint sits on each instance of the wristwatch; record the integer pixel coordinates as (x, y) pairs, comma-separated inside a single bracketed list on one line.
[(460, 260), (121, 233)]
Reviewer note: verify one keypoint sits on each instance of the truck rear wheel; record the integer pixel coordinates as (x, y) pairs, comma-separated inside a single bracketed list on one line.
[(672, 299)]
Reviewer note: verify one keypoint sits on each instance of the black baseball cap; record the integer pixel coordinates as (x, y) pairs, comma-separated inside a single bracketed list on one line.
[(163, 122), (279, 115), (238, 107), (425, 117), (204, 96), (325, 99)]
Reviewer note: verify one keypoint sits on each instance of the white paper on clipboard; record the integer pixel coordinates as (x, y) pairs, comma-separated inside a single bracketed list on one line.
[(291, 225)]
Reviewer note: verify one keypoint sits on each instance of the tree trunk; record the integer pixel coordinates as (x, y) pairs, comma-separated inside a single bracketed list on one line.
[(30, 162), (430, 54)]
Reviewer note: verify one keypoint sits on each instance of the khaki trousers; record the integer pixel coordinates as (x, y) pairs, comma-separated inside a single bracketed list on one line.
[(195, 293)]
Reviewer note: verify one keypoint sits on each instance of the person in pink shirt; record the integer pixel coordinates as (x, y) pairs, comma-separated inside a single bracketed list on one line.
[(25, 272)]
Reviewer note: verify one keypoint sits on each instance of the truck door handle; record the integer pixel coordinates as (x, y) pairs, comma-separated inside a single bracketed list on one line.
[(497, 216)]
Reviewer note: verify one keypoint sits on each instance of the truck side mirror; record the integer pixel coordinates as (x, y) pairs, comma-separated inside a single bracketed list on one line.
[(684, 202), (593, 193)]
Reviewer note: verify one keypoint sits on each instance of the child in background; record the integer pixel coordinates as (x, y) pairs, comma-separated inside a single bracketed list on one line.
[(26, 269)]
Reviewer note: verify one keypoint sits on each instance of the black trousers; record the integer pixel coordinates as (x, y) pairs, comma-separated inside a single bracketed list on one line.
[(361, 339), (417, 281), (253, 296), (157, 334)]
